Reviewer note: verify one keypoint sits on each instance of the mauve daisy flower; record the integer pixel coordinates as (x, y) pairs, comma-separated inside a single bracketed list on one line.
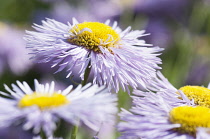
[(200, 95), (44, 107), (152, 117), (117, 58)]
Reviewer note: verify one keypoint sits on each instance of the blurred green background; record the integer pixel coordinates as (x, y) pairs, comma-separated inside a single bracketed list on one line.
[(181, 27)]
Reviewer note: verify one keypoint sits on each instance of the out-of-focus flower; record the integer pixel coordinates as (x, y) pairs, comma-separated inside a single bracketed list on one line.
[(117, 58), (152, 117), (197, 73), (44, 107), (51, 137), (13, 54), (173, 8), (92, 10), (63, 11), (14, 132), (161, 34), (97, 8), (160, 15)]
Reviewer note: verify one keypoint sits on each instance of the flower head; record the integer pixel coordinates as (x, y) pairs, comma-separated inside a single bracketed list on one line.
[(199, 95), (117, 58), (168, 113), (44, 107), (153, 117)]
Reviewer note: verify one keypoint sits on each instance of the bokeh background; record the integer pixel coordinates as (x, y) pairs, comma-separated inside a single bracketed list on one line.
[(181, 27)]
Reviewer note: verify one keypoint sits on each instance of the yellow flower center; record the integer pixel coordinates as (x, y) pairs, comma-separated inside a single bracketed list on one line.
[(190, 118), (91, 35), (201, 95), (43, 100)]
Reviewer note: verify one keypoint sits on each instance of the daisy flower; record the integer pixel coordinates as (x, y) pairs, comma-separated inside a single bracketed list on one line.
[(117, 58), (42, 108), (152, 117), (200, 95)]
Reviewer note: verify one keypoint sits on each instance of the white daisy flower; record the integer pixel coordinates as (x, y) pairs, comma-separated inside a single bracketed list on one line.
[(42, 108), (116, 58)]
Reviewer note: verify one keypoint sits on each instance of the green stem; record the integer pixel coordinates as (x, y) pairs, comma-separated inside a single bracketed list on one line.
[(42, 135), (74, 132), (87, 72)]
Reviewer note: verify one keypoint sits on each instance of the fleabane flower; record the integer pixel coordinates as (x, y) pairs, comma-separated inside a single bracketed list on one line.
[(152, 117), (42, 108), (117, 58), (199, 95)]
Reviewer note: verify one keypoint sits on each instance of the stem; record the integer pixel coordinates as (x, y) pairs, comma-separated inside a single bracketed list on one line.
[(74, 132), (87, 73), (42, 135)]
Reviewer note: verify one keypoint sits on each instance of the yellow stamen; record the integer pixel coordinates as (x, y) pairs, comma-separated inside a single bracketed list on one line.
[(190, 118), (91, 35), (201, 95), (43, 100)]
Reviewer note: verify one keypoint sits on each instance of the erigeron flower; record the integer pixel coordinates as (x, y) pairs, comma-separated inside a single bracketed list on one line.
[(152, 117), (199, 95), (167, 113), (117, 58), (42, 108)]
